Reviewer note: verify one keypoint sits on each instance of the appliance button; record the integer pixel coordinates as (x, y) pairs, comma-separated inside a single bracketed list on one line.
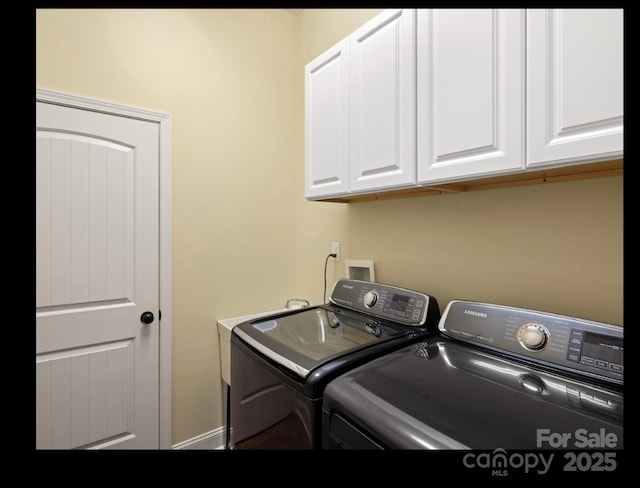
[(533, 336), (370, 298), (587, 360)]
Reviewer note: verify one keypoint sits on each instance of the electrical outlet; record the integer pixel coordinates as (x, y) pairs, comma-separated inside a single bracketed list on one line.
[(335, 249)]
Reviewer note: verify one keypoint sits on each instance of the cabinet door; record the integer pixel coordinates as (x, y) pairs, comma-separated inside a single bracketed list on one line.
[(575, 110), (327, 123), (382, 114), (470, 93)]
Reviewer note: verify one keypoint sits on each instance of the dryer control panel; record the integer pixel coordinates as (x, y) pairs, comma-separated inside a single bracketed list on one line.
[(589, 347), (386, 302)]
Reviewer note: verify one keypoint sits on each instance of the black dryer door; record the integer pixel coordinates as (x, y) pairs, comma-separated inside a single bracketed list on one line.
[(440, 394)]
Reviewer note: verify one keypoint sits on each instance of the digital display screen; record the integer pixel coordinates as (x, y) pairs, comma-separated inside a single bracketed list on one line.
[(602, 351), (399, 303)]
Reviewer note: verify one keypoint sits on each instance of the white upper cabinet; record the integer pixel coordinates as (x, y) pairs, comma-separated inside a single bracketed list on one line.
[(470, 93), (382, 102), (327, 123), (432, 97), (575, 84)]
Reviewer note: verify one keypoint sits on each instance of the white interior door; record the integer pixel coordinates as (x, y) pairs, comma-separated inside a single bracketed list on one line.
[(97, 272)]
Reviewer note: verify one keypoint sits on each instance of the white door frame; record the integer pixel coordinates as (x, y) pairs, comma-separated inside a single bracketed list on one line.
[(164, 124)]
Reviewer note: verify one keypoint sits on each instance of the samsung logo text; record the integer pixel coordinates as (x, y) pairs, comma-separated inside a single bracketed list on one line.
[(475, 313)]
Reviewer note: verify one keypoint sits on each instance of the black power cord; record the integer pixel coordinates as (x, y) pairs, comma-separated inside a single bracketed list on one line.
[(324, 294)]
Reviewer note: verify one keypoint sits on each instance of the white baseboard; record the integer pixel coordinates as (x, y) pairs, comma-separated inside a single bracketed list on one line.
[(214, 439)]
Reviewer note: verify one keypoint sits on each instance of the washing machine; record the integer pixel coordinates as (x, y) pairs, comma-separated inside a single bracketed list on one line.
[(494, 378), (280, 365)]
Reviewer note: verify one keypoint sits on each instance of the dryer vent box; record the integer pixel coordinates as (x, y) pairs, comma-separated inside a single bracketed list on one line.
[(360, 269)]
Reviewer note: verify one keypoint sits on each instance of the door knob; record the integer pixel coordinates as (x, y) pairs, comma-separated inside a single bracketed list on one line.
[(146, 318)]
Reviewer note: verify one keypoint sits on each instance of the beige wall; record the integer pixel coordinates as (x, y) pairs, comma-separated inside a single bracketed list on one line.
[(244, 237), (555, 247)]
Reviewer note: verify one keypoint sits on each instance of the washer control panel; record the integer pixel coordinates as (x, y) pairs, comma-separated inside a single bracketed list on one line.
[(384, 301), (590, 347)]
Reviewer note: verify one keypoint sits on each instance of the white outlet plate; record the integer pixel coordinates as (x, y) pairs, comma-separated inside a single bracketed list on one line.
[(335, 249)]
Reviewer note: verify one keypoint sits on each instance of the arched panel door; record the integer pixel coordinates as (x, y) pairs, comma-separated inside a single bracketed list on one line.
[(97, 274)]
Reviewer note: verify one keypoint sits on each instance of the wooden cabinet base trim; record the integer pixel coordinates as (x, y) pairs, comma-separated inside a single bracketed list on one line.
[(567, 173)]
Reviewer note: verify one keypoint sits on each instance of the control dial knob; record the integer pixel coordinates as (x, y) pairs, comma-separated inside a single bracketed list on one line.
[(533, 336), (370, 298)]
